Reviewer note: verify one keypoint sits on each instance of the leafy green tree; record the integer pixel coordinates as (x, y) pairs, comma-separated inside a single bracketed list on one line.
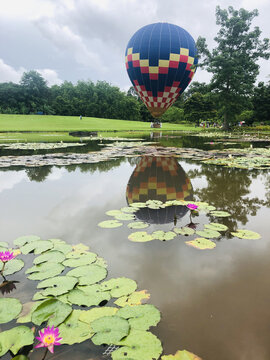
[(173, 114), (200, 107), (233, 62), (261, 102)]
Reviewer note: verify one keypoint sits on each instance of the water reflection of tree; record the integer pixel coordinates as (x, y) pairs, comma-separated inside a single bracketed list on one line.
[(228, 189), (38, 174)]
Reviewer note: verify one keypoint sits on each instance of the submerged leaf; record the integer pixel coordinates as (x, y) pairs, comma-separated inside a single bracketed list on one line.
[(109, 330), (201, 243), (110, 224), (246, 234), (9, 309), (140, 236)]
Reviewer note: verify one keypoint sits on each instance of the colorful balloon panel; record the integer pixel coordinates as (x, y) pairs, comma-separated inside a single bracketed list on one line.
[(161, 61)]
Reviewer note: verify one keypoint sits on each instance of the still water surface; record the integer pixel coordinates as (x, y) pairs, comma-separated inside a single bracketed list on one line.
[(213, 303)]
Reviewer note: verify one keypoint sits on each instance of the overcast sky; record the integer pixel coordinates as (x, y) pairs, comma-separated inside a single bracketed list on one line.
[(86, 39)]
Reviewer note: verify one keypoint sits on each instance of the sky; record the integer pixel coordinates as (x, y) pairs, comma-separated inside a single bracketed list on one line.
[(86, 39)]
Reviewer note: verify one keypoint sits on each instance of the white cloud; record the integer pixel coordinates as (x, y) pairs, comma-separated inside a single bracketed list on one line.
[(50, 76), (11, 178), (9, 74), (27, 9)]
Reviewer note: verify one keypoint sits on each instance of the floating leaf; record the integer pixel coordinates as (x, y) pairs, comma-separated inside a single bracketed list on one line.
[(27, 310), (88, 295), (124, 216), (13, 340), (181, 355), (114, 212), (20, 357), (83, 259), (138, 205), (101, 262), (140, 236), (44, 271), (50, 256), (129, 209), (163, 236), (9, 309), (109, 330), (4, 244), (140, 317), (80, 248), (220, 213), (138, 225), (72, 330), (57, 285), (138, 345), (13, 266), (135, 298), (89, 316), (53, 311), (246, 234), (26, 239), (216, 226), (37, 246), (208, 233), (201, 243), (88, 274), (61, 246), (119, 286), (186, 231), (109, 224)]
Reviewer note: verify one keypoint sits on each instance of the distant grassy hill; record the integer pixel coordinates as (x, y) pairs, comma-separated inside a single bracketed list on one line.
[(72, 123)]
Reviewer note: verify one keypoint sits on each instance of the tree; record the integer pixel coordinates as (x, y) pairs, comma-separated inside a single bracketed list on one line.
[(233, 62), (200, 107), (261, 102)]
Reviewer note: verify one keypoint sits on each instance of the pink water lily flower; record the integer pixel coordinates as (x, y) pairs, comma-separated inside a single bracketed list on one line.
[(48, 338), (6, 256), (192, 206)]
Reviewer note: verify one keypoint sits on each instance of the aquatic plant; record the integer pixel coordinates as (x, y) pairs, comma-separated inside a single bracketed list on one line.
[(49, 338)]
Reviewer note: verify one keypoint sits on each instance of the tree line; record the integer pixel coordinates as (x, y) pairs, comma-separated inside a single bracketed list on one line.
[(231, 96)]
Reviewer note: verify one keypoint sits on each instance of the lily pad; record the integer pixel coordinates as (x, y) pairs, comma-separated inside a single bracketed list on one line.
[(61, 246), (44, 271), (216, 226), (53, 311), (124, 216), (13, 340), (88, 316), (138, 205), (202, 244), (9, 309), (181, 355), (88, 295), (140, 236), (26, 239), (37, 246), (208, 233), (220, 213), (185, 230), (13, 266), (83, 259), (88, 274), (109, 330), (136, 298), (50, 256), (129, 209), (80, 248), (119, 286), (138, 345), (246, 234), (27, 310), (140, 317), (110, 224), (113, 212), (4, 244), (138, 225), (73, 330), (57, 285), (163, 235), (101, 262)]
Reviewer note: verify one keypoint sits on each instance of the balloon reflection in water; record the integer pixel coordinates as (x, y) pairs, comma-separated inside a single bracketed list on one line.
[(159, 178)]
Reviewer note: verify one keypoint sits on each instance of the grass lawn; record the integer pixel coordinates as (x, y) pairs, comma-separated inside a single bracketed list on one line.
[(71, 123)]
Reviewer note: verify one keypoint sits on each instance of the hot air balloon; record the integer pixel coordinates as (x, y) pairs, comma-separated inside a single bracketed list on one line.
[(161, 61), (159, 178)]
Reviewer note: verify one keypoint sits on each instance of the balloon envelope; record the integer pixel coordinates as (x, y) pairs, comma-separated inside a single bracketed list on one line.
[(161, 61)]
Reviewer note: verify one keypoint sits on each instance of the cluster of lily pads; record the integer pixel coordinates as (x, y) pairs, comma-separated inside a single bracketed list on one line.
[(68, 277), (39, 146), (204, 238)]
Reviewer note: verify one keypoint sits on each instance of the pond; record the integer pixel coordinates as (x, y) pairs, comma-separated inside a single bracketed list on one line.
[(214, 303)]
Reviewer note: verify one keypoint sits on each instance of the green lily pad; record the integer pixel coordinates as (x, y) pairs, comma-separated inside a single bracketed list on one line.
[(140, 317), (80, 248), (50, 256), (4, 244), (246, 234), (13, 266), (73, 330), (202, 244), (37, 246), (163, 236), (129, 209), (44, 271), (13, 340), (208, 233), (135, 298), (140, 236), (27, 310), (91, 295), (110, 224), (185, 230), (119, 286), (220, 213), (138, 345), (181, 355), (138, 205), (113, 212), (26, 239), (124, 216), (20, 357), (61, 246), (9, 309), (138, 225), (57, 285), (101, 262), (88, 316), (88, 274), (83, 259), (109, 330), (216, 226), (53, 311)]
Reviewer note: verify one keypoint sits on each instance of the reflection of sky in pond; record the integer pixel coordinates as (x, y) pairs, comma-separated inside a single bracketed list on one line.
[(213, 303)]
